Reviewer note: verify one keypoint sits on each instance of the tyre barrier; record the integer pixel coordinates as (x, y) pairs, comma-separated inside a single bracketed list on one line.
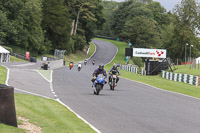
[(179, 77), (7, 106)]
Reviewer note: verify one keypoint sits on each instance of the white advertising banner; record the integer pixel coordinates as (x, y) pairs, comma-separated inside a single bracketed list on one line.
[(143, 52)]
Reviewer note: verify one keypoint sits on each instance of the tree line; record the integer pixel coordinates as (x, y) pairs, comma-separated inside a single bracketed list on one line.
[(45, 25), (147, 24)]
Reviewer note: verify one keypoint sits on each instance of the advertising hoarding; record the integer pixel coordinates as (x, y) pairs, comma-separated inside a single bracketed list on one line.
[(27, 55), (143, 52)]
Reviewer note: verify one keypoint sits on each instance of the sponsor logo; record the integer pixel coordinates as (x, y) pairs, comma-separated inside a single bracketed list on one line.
[(159, 53)]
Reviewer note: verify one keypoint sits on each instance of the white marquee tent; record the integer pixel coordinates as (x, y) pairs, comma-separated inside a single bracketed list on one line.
[(4, 55)]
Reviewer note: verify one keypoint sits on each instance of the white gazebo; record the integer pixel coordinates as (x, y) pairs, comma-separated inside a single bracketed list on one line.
[(4, 55)]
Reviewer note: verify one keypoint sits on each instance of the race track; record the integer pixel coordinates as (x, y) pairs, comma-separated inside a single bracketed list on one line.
[(132, 108)]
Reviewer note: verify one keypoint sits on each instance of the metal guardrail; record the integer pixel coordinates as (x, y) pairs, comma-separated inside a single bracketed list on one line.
[(130, 68)]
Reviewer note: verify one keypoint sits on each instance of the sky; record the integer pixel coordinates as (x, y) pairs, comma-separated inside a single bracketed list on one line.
[(167, 4)]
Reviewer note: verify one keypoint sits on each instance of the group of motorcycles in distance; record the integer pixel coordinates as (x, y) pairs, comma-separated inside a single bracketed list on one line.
[(79, 65), (100, 80)]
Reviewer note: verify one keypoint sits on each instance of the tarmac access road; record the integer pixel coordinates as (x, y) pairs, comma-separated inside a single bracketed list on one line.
[(131, 108), (24, 78)]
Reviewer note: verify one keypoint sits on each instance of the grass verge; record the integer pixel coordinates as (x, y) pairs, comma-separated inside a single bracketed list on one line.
[(156, 81), (48, 114), (6, 128), (15, 59), (80, 55), (186, 69), (45, 73)]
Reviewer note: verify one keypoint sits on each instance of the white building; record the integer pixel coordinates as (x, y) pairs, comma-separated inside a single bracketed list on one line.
[(198, 60), (4, 55)]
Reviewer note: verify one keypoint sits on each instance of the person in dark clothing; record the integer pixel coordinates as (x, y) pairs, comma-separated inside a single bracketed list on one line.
[(93, 62), (113, 71), (99, 70)]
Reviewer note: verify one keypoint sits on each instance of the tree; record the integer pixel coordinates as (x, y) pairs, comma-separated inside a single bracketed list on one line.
[(3, 27), (56, 24), (185, 30), (142, 32), (158, 12), (31, 33), (89, 17)]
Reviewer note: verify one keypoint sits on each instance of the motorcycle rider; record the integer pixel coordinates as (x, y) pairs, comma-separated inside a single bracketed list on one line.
[(85, 62), (99, 70), (71, 65), (113, 71), (79, 65), (93, 62)]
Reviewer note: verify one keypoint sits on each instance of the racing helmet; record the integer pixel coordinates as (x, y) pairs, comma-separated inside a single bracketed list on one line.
[(101, 67), (114, 67)]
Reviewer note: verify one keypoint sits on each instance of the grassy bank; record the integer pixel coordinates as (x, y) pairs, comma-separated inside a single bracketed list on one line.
[(15, 59), (156, 81), (80, 55), (186, 69), (48, 114)]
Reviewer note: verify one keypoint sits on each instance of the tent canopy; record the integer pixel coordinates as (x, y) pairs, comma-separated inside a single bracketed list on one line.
[(3, 50)]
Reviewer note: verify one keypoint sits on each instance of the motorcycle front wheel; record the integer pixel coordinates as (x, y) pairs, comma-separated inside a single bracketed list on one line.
[(98, 89)]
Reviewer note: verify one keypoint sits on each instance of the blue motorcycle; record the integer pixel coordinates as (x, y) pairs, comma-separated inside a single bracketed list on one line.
[(99, 83)]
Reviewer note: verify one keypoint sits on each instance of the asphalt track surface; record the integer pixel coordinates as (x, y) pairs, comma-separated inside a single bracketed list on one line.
[(24, 77), (132, 108)]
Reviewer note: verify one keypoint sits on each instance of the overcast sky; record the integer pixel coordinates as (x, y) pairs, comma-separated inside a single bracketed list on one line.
[(167, 4)]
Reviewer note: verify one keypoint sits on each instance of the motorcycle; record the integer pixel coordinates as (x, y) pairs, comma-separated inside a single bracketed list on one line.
[(99, 83), (70, 66), (93, 62), (85, 62), (79, 67), (113, 81)]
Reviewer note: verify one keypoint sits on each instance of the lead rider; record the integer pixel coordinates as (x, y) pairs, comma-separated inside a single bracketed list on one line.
[(98, 71)]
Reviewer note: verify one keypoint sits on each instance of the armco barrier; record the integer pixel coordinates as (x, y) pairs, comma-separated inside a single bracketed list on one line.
[(130, 68), (55, 64), (190, 79)]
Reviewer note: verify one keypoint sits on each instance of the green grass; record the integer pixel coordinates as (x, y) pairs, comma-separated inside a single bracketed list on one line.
[(45, 73), (10, 129), (80, 55), (15, 59), (6, 128), (92, 49), (3, 74), (48, 114), (186, 69), (156, 81)]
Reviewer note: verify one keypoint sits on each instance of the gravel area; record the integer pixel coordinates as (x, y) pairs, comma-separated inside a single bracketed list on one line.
[(31, 128)]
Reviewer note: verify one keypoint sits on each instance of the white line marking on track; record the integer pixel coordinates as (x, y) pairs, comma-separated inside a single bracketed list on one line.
[(44, 76), (95, 129), (57, 99), (163, 89), (33, 93)]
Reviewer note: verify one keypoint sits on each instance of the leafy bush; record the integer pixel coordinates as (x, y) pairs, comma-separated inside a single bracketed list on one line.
[(8, 48), (138, 61)]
